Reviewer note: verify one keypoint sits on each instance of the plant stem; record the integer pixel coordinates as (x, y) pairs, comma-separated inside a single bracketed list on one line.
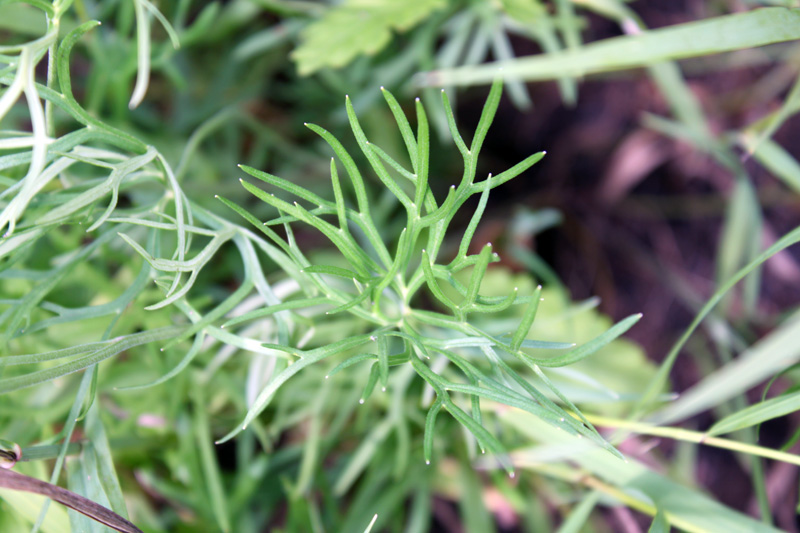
[(696, 437)]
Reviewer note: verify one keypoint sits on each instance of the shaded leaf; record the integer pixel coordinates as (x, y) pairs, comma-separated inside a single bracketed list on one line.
[(357, 27)]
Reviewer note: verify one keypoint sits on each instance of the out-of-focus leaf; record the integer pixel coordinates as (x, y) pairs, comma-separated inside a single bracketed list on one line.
[(758, 413), (357, 27), (774, 352), (775, 159), (685, 508), (659, 524), (580, 514), (720, 34)]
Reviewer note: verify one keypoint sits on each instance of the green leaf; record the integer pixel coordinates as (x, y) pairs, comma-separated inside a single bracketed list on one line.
[(758, 413), (307, 358), (527, 320), (712, 36), (119, 345), (357, 27), (105, 462), (659, 524), (686, 509), (775, 159), (584, 350), (208, 460), (758, 364), (580, 514), (334, 271), (430, 429), (272, 309)]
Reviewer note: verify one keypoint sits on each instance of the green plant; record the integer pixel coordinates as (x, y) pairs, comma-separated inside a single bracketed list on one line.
[(160, 215), (114, 143), (387, 287)]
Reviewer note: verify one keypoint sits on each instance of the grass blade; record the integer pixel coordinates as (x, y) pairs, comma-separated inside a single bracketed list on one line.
[(758, 27)]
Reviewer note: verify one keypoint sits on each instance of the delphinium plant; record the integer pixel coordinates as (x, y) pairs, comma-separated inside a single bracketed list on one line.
[(141, 321), (391, 292), (102, 247)]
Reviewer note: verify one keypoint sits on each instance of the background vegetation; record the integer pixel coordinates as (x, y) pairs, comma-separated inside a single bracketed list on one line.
[(369, 338)]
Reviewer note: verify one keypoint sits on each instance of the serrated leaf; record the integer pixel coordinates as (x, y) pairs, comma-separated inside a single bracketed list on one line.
[(357, 27)]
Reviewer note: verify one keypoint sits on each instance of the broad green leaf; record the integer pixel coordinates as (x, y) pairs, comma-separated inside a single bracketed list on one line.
[(357, 27)]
